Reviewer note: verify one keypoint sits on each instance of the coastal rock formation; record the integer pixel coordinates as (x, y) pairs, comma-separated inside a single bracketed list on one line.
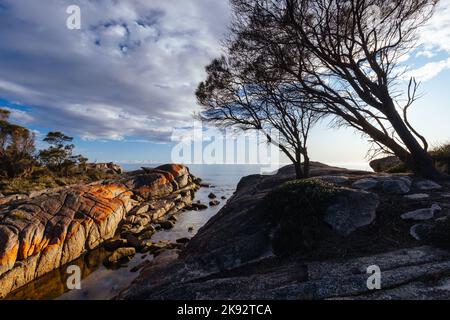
[(413, 273), (352, 210), (232, 256), (365, 184), (427, 185), (45, 232), (396, 186), (422, 214), (384, 164), (121, 254), (417, 196), (106, 167), (14, 197)]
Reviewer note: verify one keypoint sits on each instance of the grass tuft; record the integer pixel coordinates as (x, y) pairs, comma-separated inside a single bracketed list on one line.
[(45, 179)]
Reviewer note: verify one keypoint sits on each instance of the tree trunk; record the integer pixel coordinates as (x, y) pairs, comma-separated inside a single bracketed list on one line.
[(418, 160), (299, 174), (306, 165), (385, 140)]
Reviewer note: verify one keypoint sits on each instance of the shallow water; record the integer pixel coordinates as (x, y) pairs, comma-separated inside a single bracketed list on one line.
[(99, 282)]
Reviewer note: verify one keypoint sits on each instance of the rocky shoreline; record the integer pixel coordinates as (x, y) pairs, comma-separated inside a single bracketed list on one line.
[(395, 221), (46, 230)]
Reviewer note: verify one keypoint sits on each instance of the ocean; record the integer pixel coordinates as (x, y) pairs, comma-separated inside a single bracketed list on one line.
[(228, 175)]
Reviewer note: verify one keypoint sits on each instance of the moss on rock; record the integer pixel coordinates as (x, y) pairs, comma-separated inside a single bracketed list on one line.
[(297, 209), (399, 168)]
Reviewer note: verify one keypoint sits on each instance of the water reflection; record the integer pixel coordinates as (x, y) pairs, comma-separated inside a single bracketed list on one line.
[(99, 282), (53, 284)]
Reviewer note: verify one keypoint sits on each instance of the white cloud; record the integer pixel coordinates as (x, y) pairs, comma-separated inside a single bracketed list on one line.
[(130, 71), (436, 34), (434, 38), (19, 116), (430, 70), (426, 54)]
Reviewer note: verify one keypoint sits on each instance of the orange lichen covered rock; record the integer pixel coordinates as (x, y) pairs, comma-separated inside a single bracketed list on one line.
[(152, 185), (59, 227), (159, 182), (43, 233), (178, 171)]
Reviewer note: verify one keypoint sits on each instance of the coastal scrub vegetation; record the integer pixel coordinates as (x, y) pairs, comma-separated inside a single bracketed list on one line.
[(339, 59), (297, 208), (59, 156), (441, 151), (24, 169), (16, 148), (441, 155)]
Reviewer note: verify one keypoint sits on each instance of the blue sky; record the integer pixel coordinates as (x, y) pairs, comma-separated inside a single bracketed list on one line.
[(122, 83)]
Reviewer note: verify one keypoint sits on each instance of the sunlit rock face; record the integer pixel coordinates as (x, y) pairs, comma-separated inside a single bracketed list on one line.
[(40, 234)]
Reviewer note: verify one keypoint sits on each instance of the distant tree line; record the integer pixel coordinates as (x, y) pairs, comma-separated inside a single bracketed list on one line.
[(289, 63), (19, 158)]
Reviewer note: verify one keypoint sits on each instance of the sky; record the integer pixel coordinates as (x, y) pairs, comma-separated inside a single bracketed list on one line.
[(125, 81)]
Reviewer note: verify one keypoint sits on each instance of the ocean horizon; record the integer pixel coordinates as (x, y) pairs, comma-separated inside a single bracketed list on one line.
[(228, 175)]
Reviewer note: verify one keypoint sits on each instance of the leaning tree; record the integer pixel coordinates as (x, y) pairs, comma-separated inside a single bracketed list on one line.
[(347, 57), (236, 93)]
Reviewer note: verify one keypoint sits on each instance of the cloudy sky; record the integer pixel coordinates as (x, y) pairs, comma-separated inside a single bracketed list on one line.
[(126, 79)]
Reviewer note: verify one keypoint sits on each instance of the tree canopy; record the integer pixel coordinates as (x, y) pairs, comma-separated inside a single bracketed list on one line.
[(343, 59), (17, 148)]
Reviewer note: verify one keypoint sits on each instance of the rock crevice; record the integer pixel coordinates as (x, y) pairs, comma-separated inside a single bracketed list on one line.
[(41, 233)]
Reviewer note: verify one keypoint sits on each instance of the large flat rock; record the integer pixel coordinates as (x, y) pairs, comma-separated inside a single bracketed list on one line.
[(401, 272)]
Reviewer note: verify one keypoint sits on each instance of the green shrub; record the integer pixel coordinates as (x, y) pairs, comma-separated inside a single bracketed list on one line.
[(400, 168), (297, 209), (61, 182), (24, 185), (441, 154), (16, 149), (40, 172), (44, 178), (442, 150), (22, 171)]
